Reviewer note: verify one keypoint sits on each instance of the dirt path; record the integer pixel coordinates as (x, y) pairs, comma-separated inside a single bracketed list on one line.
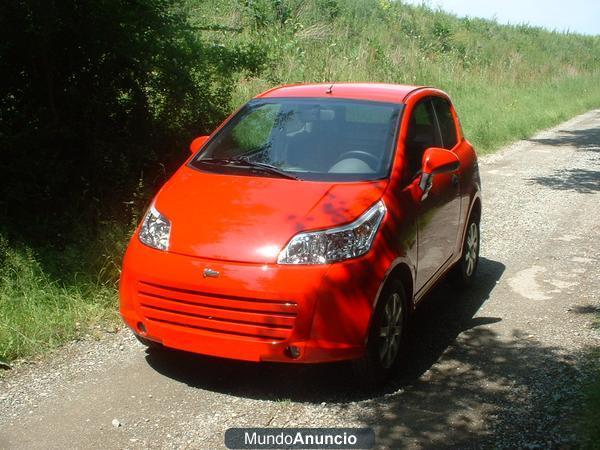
[(496, 366)]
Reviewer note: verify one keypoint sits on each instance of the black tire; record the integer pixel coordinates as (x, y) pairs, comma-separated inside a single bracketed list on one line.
[(152, 345), (465, 270), (377, 366)]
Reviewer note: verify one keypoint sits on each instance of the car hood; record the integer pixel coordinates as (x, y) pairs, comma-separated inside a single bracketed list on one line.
[(250, 218)]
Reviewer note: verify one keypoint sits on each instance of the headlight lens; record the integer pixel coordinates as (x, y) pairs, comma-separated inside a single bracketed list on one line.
[(155, 230), (335, 244)]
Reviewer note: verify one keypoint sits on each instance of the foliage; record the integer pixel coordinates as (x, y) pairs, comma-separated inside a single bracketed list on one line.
[(506, 81), (97, 93), (38, 311)]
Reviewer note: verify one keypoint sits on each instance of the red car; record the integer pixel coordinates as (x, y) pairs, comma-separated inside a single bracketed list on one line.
[(307, 227)]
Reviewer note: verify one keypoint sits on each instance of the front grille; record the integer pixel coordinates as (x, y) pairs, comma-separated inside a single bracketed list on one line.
[(251, 318)]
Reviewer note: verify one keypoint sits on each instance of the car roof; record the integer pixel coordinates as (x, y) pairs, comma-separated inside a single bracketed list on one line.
[(381, 92)]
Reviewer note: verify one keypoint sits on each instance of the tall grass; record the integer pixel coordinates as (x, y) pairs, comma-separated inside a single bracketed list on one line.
[(48, 296), (506, 82)]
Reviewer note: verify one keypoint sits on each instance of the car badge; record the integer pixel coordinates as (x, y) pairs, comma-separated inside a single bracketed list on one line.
[(210, 273)]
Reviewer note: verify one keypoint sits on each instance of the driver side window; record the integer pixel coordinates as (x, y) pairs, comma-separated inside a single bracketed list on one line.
[(422, 134)]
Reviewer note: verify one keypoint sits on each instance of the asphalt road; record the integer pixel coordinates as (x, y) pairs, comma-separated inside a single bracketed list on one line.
[(498, 365)]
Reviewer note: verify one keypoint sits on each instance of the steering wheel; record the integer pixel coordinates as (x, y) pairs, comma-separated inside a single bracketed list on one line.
[(367, 157)]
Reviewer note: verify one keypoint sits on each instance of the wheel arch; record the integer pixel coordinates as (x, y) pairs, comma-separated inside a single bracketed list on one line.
[(402, 272), (474, 209)]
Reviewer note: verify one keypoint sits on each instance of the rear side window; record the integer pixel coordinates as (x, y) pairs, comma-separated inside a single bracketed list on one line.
[(446, 121)]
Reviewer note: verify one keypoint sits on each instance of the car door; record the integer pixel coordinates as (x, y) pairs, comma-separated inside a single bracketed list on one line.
[(439, 212)]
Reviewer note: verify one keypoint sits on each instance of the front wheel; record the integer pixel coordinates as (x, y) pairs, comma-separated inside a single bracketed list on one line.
[(152, 345), (387, 337), (466, 268)]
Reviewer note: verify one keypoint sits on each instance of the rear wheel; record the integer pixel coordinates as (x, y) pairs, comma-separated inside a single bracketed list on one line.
[(466, 269), (385, 345)]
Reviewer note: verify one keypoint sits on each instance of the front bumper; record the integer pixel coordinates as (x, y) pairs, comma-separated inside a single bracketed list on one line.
[(249, 312)]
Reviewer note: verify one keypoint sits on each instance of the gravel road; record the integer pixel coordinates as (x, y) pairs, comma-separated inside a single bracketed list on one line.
[(496, 366)]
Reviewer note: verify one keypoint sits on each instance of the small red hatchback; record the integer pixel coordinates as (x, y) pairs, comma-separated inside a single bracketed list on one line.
[(307, 227)]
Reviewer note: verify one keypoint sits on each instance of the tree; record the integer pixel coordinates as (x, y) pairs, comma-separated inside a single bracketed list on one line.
[(96, 92)]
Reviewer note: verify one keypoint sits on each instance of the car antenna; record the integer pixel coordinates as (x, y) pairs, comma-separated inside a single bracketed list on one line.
[(329, 90)]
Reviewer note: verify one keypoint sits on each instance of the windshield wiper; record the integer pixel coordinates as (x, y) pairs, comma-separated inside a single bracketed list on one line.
[(268, 168), (242, 162)]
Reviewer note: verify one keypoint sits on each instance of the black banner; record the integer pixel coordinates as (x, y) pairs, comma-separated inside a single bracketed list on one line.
[(299, 438)]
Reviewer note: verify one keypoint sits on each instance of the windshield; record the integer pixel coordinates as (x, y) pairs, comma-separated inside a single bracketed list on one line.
[(313, 139)]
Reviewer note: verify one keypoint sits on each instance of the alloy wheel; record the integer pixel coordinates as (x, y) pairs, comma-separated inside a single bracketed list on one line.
[(390, 332), (471, 250)]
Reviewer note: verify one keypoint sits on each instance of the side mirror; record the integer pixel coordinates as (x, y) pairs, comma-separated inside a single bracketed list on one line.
[(435, 161), (198, 143)]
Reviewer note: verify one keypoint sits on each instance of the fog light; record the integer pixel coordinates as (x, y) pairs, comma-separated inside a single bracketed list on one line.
[(141, 327), (292, 351)]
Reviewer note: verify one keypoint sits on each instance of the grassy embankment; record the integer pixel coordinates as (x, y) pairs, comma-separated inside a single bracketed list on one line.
[(506, 81)]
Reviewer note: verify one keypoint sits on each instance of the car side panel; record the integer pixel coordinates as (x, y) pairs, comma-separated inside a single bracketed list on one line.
[(469, 181)]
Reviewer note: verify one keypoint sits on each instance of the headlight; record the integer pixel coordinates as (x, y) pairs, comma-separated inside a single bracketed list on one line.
[(155, 230), (335, 244)]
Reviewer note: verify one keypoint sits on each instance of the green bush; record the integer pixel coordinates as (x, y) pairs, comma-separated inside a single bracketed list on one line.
[(95, 95)]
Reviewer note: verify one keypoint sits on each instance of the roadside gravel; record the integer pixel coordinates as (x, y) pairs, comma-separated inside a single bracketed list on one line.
[(497, 366)]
